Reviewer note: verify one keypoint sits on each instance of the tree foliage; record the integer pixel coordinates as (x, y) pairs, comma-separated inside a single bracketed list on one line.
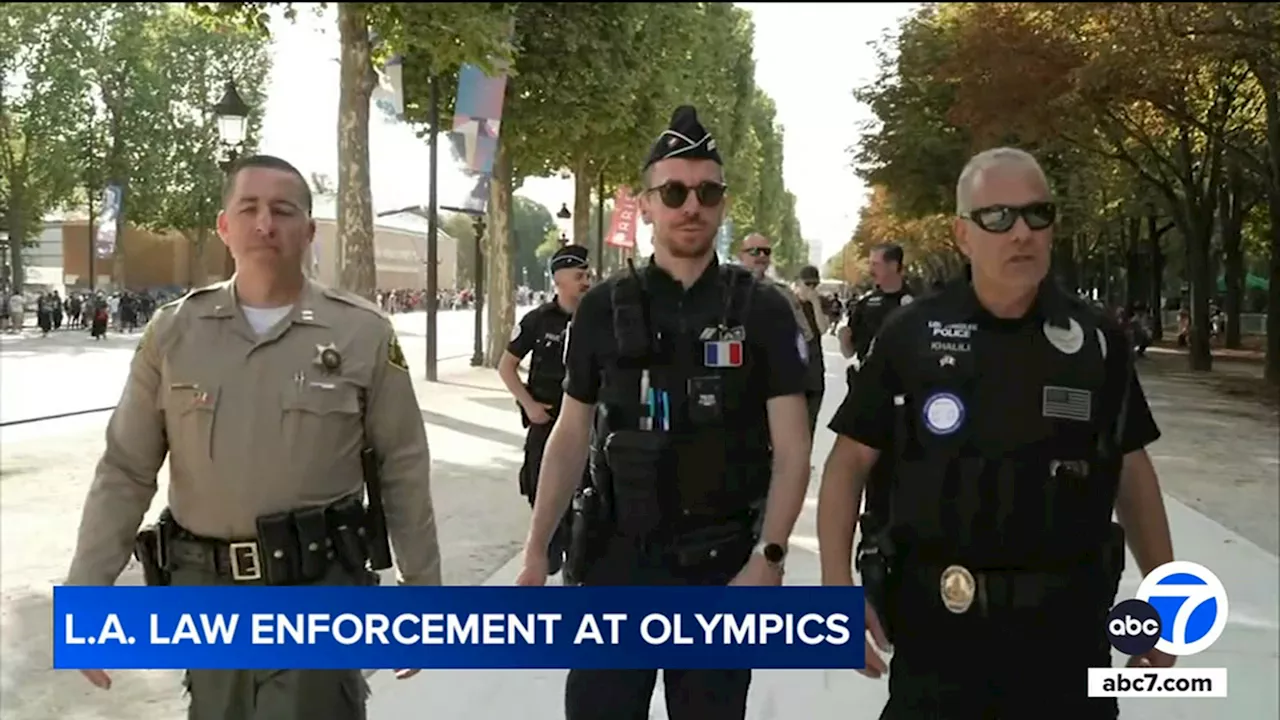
[(121, 93), (1146, 117)]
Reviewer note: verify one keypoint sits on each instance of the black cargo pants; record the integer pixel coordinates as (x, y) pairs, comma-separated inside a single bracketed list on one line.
[(1008, 662), (690, 694)]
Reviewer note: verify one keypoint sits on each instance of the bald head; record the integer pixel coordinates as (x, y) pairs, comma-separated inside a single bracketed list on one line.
[(756, 254)]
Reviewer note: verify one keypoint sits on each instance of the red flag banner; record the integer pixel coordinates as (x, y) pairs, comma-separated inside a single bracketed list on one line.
[(626, 213)]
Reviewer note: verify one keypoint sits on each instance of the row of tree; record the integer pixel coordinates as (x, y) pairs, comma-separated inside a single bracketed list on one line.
[(1157, 123), (116, 93), (590, 85)]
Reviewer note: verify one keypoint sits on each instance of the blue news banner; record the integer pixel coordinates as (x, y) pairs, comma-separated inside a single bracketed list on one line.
[(117, 628)]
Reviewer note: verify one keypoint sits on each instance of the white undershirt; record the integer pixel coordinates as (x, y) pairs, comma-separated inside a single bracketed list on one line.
[(263, 319)]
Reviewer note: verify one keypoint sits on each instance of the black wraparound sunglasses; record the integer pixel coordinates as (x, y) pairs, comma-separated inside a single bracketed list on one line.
[(674, 194), (1001, 218)]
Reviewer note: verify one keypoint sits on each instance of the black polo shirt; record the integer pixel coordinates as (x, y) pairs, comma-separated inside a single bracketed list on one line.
[(1009, 383)]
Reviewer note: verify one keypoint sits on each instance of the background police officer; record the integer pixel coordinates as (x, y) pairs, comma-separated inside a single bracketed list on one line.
[(868, 312), (1017, 424), (542, 332), (263, 391), (757, 256), (719, 355)]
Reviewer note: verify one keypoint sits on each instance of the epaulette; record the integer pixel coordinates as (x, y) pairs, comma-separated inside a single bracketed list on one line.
[(349, 298), (176, 304), (865, 295)]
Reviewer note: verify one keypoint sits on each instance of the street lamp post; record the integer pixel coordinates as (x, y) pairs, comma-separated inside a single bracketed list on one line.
[(562, 219), (232, 115)]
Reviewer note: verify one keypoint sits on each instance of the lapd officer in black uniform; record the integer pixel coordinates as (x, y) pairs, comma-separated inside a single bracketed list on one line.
[(700, 443), (1016, 425), (542, 332), (868, 312)]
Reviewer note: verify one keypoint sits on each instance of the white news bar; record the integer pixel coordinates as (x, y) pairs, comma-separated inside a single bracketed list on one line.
[(1158, 682)]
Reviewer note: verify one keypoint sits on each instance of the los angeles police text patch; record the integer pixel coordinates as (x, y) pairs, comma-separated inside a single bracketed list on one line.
[(1067, 403)]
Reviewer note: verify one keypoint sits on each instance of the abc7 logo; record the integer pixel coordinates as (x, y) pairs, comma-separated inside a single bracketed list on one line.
[(1181, 609)]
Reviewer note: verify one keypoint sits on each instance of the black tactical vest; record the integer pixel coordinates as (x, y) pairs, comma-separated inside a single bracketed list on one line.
[(1045, 503), (721, 458), (546, 366)]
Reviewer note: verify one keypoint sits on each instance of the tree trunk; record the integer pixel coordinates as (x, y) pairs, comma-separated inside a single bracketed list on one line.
[(1134, 262), (499, 268), (584, 181), (358, 271), (16, 221), (1154, 233), (1271, 94), (1232, 224)]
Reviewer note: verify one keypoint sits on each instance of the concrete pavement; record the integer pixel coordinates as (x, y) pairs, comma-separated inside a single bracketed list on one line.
[(1248, 647), (69, 372)]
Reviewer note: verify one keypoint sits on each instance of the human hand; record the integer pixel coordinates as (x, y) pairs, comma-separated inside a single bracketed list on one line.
[(99, 678), (534, 573), (758, 572), (539, 413)]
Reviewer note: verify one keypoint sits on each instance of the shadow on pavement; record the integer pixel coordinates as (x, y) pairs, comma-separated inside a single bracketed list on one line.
[(480, 515), (474, 429)]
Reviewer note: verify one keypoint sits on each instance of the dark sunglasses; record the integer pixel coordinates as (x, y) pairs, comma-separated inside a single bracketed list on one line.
[(759, 252), (674, 194), (1001, 218)]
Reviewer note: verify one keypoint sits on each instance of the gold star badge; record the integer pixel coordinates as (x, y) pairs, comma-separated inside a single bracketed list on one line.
[(328, 357)]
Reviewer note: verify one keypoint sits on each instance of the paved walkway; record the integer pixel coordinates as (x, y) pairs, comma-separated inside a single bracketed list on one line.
[(1250, 574)]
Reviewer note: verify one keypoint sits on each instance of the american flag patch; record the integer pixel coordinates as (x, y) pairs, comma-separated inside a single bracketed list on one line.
[(1067, 403)]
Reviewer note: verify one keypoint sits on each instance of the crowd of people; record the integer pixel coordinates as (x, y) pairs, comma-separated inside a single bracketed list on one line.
[(123, 312)]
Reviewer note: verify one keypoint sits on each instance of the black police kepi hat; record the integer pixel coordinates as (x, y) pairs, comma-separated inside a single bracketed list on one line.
[(684, 138), (569, 257)]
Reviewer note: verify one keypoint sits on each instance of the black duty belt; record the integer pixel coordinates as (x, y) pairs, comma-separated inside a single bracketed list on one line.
[(291, 548), (960, 590)]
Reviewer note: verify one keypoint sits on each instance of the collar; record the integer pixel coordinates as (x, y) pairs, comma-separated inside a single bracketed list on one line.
[(1051, 303), (659, 278), (308, 309)]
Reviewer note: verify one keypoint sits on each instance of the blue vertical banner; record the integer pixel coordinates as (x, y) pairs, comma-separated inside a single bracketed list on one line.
[(477, 123), (104, 241)]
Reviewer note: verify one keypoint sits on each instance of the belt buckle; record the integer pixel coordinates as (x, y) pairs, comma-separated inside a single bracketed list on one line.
[(238, 552), (957, 588)]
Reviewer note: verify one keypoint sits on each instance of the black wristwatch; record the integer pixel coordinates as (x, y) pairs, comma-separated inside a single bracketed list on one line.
[(773, 553)]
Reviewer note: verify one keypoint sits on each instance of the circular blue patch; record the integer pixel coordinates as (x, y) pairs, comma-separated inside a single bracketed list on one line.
[(943, 413)]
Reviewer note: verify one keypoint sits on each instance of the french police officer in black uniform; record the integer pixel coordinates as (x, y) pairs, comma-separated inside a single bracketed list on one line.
[(700, 444), (1016, 425), (542, 332), (868, 312)]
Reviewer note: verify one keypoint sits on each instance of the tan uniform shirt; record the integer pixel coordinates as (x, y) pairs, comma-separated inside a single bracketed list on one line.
[(257, 425), (805, 328)]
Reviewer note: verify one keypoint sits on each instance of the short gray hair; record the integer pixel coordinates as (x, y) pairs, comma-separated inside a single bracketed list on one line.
[(985, 160)]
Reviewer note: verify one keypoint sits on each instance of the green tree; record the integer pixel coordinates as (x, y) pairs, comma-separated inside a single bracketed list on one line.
[(531, 221), (434, 38), (41, 110), (183, 191)]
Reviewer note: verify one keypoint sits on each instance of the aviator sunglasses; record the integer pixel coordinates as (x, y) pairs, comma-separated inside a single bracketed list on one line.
[(1001, 218), (673, 194)]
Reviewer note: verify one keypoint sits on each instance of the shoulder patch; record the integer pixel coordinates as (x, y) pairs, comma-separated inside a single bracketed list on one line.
[(395, 355)]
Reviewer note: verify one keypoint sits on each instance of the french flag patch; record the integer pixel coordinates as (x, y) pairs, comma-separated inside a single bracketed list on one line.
[(722, 353)]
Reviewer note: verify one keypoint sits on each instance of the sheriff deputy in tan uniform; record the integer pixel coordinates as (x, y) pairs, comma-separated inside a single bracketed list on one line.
[(757, 256), (263, 392)]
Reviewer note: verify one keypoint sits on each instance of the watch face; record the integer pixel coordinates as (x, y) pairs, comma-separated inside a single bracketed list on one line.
[(774, 553)]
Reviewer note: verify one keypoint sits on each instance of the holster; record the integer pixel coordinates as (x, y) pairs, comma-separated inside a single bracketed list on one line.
[(874, 562), (150, 548), (635, 459), (589, 530)]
